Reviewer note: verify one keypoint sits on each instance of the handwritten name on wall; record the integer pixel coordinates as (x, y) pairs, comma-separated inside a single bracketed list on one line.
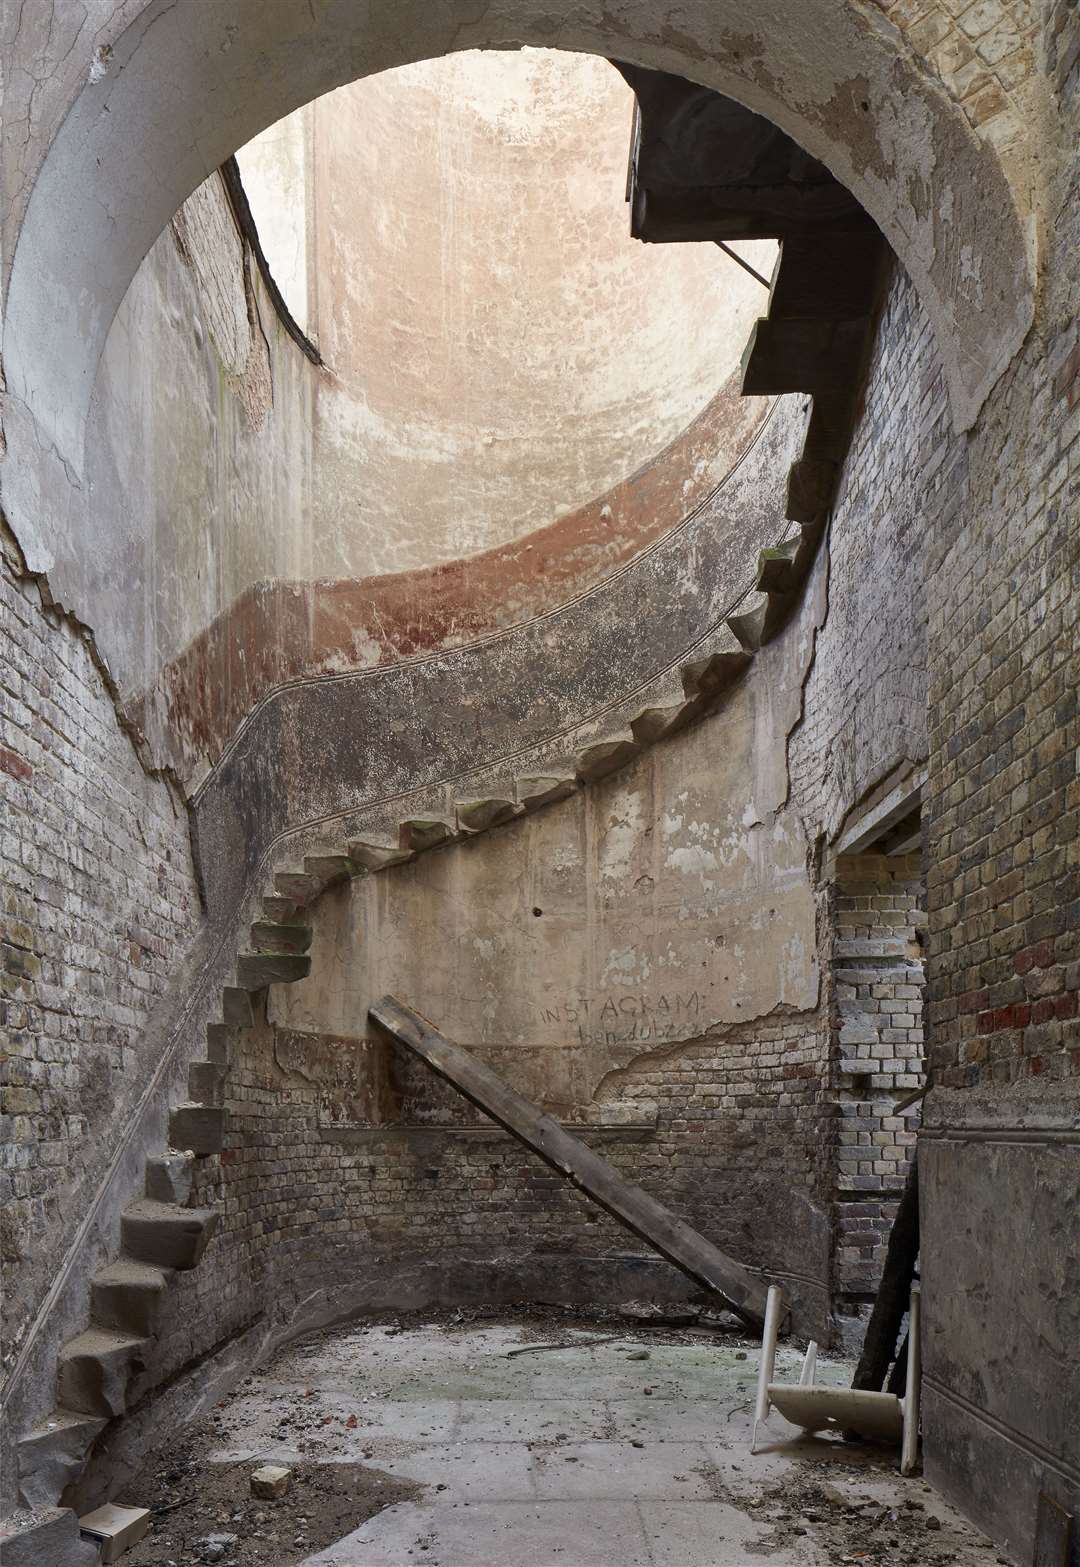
[(629, 1019)]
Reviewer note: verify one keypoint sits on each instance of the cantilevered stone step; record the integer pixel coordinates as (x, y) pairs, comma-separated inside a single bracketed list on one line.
[(810, 487), (328, 868), (376, 854), (537, 790), (169, 1237), (52, 1456), (418, 833), (129, 1295), (48, 1538), (256, 970), (654, 723), (278, 909), (236, 1009), (605, 756), (641, 1214), (774, 573), (268, 936), (198, 1127), (297, 885), (206, 1083), (169, 1177), (221, 1043), (748, 623), (478, 815), (97, 1368)]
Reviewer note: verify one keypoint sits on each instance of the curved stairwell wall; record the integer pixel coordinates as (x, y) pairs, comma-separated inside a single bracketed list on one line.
[(204, 993), (336, 752), (316, 1226), (258, 1099), (284, 630)]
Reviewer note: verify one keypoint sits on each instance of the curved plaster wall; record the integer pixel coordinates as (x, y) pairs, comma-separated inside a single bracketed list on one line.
[(341, 750), (170, 93), (499, 349)]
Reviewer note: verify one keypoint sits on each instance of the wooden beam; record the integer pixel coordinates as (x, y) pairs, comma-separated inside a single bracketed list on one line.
[(646, 1218)]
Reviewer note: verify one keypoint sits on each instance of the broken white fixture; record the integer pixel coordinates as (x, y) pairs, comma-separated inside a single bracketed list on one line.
[(880, 1415)]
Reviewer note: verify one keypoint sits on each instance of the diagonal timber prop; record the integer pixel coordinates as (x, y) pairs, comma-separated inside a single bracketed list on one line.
[(640, 1213)]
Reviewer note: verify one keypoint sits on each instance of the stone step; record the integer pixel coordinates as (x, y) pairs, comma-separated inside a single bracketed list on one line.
[(376, 854), (221, 1042), (654, 723), (169, 1237), (278, 909), (129, 1295), (706, 678), (418, 833), (206, 1082), (236, 1008), (169, 1177), (535, 790), (478, 815), (297, 885), (748, 622), (775, 567), (268, 936), (48, 1538), (200, 1128), (327, 868), (256, 970), (52, 1456), (605, 756), (811, 483), (96, 1370)]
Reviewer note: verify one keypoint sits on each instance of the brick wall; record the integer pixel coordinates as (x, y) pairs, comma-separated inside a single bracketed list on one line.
[(1005, 666), (393, 1213), (864, 706), (877, 987), (98, 900), (1000, 1147)]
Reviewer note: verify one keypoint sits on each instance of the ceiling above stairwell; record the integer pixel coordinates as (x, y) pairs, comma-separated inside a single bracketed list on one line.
[(500, 351)]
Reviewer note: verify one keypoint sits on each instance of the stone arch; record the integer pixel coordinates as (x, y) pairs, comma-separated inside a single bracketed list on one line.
[(183, 85)]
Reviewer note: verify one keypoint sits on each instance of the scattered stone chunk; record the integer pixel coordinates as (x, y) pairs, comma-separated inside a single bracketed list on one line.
[(270, 1482), (215, 1547)]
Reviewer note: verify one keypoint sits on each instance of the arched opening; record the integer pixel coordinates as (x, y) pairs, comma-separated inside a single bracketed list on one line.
[(186, 94), (654, 959)]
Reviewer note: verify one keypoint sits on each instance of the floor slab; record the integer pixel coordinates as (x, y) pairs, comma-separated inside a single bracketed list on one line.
[(521, 1441)]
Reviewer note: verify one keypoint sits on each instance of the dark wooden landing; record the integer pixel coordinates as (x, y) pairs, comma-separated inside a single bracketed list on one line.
[(640, 1213)]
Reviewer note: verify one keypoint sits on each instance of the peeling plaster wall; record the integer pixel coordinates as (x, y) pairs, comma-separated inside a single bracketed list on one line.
[(238, 544), (642, 960), (500, 350)]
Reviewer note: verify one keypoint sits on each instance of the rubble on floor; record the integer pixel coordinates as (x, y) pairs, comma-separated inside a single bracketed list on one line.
[(423, 1439)]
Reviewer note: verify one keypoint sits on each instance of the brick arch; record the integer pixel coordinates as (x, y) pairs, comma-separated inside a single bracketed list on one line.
[(182, 86)]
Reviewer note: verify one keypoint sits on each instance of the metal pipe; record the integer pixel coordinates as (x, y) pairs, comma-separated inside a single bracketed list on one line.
[(744, 264)]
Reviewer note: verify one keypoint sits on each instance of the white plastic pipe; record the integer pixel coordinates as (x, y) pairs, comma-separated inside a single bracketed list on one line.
[(773, 1307), (909, 1444)]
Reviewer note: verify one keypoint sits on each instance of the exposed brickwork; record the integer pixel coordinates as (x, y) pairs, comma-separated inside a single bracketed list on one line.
[(983, 51), (728, 1126), (98, 901), (877, 975), (865, 699), (1005, 667)]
